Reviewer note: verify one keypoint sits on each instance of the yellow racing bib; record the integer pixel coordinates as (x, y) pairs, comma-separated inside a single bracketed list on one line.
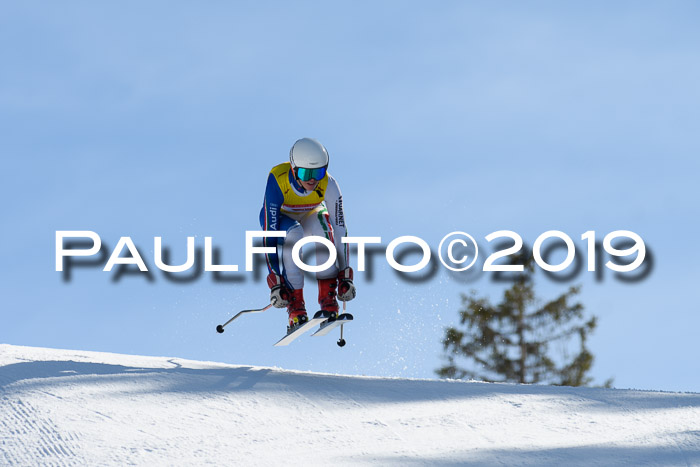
[(295, 203)]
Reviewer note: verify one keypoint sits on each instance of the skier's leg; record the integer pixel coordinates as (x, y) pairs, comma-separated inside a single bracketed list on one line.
[(317, 223), (281, 264), (293, 275), (295, 232)]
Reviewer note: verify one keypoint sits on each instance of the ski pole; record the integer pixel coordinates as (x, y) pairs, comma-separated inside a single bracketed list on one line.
[(220, 327), (341, 341)]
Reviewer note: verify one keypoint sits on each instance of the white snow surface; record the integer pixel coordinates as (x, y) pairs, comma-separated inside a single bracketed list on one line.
[(62, 407)]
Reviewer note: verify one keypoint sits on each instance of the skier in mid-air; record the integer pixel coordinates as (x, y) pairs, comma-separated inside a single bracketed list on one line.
[(303, 199)]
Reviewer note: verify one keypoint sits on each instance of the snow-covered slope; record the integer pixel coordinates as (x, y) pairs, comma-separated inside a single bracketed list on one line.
[(67, 407)]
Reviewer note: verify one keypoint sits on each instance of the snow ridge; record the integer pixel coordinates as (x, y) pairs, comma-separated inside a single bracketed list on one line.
[(61, 407)]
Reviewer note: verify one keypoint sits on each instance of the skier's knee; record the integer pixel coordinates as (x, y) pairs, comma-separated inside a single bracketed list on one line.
[(294, 234)]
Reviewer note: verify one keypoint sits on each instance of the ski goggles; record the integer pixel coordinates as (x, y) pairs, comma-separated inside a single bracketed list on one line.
[(305, 175)]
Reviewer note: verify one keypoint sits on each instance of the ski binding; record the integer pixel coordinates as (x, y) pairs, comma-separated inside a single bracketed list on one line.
[(328, 325), (318, 318)]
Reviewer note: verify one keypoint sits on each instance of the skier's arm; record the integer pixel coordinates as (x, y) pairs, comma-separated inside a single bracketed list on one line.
[(271, 218), (334, 204)]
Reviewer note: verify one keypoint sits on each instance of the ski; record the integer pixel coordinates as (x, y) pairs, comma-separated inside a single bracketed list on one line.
[(328, 326), (318, 318)]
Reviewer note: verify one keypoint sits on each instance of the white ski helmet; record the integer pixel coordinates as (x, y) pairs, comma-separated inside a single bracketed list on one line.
[(308, 153), (309, 160)]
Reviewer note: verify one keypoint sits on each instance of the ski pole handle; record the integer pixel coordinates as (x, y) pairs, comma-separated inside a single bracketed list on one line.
[(220, 327)]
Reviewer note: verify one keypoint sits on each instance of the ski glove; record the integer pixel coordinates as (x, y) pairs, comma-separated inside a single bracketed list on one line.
[(346, 289), (279, 295)]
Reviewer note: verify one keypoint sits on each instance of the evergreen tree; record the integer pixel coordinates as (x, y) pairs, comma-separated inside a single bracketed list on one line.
[(513, 341)]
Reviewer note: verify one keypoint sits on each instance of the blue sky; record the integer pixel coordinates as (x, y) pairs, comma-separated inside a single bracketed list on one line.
[(164, 120)]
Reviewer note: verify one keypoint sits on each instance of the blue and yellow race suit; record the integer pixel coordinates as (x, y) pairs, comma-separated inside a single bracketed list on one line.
[(288, 207)]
